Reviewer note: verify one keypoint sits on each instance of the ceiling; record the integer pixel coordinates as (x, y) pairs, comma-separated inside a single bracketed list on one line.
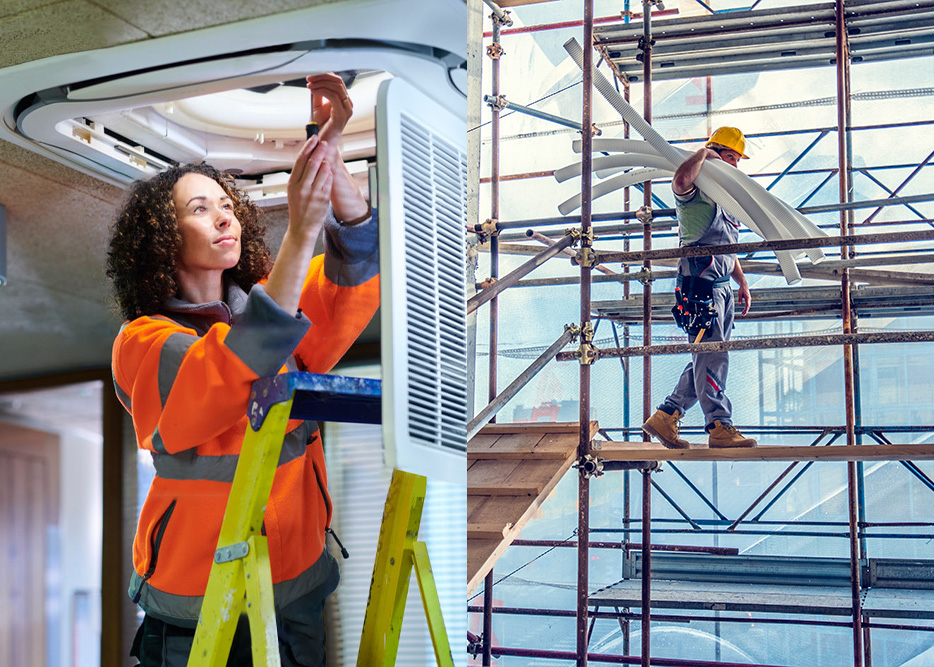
[(56, 310)]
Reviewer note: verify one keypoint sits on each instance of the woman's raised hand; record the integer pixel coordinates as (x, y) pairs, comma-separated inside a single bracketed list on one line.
[(332, 108), (309, 189)]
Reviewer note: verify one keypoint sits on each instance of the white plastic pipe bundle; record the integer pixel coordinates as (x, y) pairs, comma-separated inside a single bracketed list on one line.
[(738, 194)]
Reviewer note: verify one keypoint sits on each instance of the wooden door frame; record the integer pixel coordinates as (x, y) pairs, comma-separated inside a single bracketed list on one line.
[(114, 554), (32, 447)]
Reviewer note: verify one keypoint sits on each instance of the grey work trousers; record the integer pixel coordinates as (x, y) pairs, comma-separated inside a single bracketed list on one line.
[(704, 378), (300, 626)]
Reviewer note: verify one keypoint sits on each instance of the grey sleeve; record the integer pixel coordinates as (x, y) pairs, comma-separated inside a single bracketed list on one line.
[(351, 251), (264, 336)]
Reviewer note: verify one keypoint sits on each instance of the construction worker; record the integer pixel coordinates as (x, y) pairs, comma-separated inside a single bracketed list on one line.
[(702, 222), (205, 318)]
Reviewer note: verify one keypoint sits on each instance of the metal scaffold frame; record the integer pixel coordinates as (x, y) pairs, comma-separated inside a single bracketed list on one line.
[(594, 458)]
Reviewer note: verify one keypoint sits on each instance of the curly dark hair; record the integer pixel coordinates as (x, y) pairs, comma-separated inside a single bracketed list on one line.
[(145, 241)]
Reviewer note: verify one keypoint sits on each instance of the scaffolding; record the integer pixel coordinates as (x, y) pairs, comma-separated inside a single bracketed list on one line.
[(830, 33)]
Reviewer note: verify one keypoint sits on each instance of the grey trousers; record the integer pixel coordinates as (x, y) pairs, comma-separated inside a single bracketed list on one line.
[(300, 626), (704, 378)]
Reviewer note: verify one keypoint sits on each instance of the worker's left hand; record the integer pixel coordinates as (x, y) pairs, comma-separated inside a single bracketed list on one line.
[(331, 106), (331, 109), (744, 297)]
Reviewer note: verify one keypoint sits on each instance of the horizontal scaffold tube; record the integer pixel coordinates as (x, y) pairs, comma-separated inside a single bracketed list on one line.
[(616, 659), (639, 256), (761, 344)]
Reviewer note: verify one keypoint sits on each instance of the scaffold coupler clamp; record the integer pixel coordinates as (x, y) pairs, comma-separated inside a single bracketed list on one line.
[(594, 130), (488, 229), (495, 51), (474, 645), (587, 352), (573, 329), (642, 47), (504, 20), (644, 215), (585, 257), (590, 466), (644, 277), (577, 233), (497, 103)]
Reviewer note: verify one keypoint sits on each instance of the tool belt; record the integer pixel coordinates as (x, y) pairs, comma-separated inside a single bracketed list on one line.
[(694, 310)]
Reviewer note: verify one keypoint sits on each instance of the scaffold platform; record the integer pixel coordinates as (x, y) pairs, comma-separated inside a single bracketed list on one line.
[(511, 470), (652, 451), (892, 588)]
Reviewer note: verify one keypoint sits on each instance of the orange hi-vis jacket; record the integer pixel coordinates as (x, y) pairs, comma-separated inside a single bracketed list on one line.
[(185, 376)]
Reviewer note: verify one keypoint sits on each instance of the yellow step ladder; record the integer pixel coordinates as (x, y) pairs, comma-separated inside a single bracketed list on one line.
[(399, 551), (240, 580)]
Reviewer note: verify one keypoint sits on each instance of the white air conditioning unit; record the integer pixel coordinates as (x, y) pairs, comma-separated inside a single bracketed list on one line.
[(422, 184)]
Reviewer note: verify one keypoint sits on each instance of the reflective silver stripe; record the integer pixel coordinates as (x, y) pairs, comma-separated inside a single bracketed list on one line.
[(183, 610), (295, 443), (157, 443), (170, 360), (122, 396), (189, 465), (178, 609), (264, 335)]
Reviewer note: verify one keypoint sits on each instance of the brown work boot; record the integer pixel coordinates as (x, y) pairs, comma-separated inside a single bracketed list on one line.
[(724, 435), (664, 426)]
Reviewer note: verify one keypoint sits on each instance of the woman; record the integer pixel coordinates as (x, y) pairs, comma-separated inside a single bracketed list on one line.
[(188, 261)]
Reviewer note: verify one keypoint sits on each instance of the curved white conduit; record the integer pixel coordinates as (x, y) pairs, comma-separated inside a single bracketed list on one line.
[(765, 225), (614, 184), (725, 199), (794, 223)]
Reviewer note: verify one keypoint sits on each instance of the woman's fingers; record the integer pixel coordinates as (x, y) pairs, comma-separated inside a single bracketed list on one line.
[(306, 169), (301, 160), (330, 100)]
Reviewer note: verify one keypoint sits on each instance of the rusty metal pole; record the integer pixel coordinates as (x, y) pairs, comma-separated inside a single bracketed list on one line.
[(647, 220), (488, 619), (583, 504), (627, 501), (646, 565), (646, 340), (843, 102), (494, 51)]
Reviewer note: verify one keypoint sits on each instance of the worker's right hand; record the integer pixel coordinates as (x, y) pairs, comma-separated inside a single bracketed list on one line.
[(309, 189), (712, 154)]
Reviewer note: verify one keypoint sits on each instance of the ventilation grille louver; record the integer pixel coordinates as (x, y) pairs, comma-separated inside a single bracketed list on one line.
[(435, 212)]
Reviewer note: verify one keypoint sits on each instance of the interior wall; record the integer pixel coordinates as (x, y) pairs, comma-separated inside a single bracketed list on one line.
[(81, 512)]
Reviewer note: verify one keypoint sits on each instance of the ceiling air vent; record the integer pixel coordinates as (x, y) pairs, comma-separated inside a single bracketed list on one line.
[(226, 95)]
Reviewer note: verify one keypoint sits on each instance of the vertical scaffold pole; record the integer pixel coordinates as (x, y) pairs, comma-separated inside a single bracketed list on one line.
[(843, 100), (495, 51), (646, 339), (646, 564), (583, 505)]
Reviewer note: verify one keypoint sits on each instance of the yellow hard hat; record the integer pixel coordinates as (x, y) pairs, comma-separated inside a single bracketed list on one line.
[(731, 138)]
